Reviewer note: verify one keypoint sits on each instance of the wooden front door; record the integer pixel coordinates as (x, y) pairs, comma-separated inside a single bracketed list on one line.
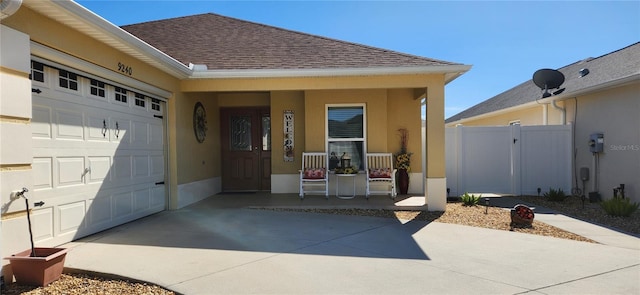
[(246, 149)]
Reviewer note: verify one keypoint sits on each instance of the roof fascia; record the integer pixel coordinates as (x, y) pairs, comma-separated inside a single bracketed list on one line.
[(78, 17), (548, 100), (451, 71), (594, 88), (496, 113)]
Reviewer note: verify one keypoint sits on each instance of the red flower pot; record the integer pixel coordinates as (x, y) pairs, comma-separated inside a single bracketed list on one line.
[(522, 215), (39, 270), (403, 181)]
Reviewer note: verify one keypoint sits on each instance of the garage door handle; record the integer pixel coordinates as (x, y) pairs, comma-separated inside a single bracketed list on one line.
[(117, 130), (104, 128), (159, 182)]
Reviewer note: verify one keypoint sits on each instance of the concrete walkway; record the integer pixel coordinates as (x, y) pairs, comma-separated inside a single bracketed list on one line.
[(220, 246)]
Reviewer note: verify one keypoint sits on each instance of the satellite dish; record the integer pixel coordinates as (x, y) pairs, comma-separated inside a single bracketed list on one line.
[(548, 79)]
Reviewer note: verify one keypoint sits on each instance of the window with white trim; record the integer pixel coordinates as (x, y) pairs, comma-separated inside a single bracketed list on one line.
[(68, 80), (37, 71), (346, 131), (97, 88), (139, 100), (155, 104), (121, 94)]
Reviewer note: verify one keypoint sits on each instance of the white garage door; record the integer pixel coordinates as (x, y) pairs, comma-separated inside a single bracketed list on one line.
[(98, 154)]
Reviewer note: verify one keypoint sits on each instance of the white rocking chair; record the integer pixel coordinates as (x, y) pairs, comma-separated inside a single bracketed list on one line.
[(314, 174), (381, 174)]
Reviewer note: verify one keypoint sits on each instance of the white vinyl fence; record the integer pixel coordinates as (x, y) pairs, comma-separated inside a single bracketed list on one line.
[(513, 160)]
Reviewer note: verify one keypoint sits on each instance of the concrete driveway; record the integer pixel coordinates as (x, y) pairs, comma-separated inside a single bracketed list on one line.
[(208, 248)]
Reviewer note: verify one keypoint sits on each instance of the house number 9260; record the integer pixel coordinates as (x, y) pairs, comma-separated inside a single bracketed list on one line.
[(125, 69)]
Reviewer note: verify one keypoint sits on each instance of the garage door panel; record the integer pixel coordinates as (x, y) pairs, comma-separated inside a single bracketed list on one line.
[(157, 165), (70, 125), (140, 166), (155, 134), (99, 210), (41, 122), (122, 204), (140, 134), (42, 224), (71, 216), (157, 199), (42, 171), (120, 128), (70, 171), (100, 167), (97, 128), (141, 199), (121, 168)]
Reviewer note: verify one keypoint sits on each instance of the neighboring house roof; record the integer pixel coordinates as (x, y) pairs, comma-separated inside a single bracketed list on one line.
[(620, 65), (224, 43)]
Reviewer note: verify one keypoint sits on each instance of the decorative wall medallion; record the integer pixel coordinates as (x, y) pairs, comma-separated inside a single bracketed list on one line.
[(200, 122)]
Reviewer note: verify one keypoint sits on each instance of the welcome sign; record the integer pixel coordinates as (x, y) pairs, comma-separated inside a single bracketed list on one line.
[(288, 136)]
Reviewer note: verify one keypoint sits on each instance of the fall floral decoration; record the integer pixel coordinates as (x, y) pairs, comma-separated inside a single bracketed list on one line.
[(346, 170), (403, 158)]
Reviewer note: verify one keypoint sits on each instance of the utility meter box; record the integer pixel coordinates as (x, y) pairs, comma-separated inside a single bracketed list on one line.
[(596, 143)]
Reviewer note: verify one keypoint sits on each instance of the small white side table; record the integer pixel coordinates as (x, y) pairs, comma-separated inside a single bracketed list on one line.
[(353, 181)]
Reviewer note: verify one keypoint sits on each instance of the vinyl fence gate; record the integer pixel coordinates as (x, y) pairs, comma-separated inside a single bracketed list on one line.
[(515, 160)]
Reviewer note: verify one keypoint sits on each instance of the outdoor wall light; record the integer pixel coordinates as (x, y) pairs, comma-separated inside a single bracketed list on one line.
[(486, 203)]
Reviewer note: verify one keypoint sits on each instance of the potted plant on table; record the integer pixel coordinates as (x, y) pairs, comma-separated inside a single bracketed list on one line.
[(36, 266), (403, 162)]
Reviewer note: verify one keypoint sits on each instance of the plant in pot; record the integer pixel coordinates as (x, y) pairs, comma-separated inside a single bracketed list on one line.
[(36, 266)]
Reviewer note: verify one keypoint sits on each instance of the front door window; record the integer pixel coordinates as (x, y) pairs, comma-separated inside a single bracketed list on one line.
[(240, 133)]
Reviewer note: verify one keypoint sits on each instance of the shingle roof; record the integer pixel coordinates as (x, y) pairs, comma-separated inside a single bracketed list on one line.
[(224, 43), (610, 67)]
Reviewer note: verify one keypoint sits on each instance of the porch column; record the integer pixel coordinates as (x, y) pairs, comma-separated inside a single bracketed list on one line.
[(436, 182)]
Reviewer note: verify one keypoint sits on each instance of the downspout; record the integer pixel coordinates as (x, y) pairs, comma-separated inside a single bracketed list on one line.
[(9, 7), (563, 112), (545, 114)]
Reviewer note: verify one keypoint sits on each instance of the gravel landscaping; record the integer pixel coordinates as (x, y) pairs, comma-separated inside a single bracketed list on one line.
[(591, 212), (88, 284), (496, 218)]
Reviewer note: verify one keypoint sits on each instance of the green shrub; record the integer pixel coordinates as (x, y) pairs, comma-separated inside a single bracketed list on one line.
[(619, 207), (470, 200), (555, 195)]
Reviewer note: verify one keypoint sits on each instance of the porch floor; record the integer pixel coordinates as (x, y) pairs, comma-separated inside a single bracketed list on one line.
[(265, 199)]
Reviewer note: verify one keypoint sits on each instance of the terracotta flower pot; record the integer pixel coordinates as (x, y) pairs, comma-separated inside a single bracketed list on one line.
[(39, 270)]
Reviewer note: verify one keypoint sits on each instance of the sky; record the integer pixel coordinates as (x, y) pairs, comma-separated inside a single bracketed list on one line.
[(505, 42)]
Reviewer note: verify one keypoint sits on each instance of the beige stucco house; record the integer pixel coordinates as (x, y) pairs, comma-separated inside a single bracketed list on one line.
[(599, 96), (106, 124)]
